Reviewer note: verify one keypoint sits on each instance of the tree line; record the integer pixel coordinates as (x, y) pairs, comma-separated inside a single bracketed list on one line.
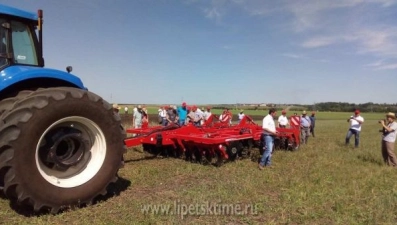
[(349, 107)]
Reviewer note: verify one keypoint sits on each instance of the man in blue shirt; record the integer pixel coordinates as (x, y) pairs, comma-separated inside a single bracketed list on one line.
[(305, 127), (313, 122), (182, 113)]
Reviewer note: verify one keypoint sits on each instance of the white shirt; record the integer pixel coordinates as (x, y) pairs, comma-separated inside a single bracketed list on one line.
[(163, 113), (268, 123), (283, 120), (207, 115), (391, 136), (240, 116), (354, 124)]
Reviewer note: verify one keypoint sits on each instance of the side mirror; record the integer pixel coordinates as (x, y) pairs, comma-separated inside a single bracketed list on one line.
[(69, 69)]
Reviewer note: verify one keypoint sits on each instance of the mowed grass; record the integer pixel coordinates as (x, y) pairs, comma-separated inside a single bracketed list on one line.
[(323, 182)]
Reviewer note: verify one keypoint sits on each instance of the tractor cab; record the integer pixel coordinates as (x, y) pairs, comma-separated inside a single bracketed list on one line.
[(18, 39)]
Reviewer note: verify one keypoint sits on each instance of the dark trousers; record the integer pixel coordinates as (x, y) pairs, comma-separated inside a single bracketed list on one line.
[(312, 131)]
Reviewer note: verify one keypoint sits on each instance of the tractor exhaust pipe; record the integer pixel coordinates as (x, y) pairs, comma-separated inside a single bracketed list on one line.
[(40, 29)]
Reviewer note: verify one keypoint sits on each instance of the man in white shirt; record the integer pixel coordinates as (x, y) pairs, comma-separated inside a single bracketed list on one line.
[(241, 116), (389, 128), (207, 114), (283, 120), (355, 128), (269, 131)]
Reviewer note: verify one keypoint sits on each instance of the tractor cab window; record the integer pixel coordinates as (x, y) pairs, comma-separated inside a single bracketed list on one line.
[(3, 45), (24, 50)]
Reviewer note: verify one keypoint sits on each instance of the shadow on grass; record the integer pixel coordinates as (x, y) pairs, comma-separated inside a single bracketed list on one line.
[(113, 189), (152, 157), (370, 159)]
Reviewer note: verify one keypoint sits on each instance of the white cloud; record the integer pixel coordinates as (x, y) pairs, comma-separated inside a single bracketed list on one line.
[(320, 23), (212, 13), (292, 55), (227, 47), (319, 42), (392, 66)]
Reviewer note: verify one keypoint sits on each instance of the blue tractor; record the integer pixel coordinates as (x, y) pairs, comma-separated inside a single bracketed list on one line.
[(60, 144)]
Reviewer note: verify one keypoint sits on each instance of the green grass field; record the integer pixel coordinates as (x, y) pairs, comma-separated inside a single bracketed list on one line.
[(324, 182)]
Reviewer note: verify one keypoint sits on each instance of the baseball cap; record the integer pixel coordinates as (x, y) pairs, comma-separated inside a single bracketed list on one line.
[(184, 104), (357, 111), (304, 113)]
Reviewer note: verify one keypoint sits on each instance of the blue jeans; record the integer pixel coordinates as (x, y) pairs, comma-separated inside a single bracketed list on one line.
[(267, 154), (164, 121), (181, 122), (356, 133)]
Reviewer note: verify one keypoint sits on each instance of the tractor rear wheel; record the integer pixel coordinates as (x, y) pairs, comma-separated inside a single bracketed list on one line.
[(60, 148)]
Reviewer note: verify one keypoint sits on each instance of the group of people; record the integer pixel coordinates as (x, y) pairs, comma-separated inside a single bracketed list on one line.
[(307, 124), (183, 115)]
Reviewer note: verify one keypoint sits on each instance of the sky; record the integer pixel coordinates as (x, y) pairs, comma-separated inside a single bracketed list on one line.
[(225, 51)]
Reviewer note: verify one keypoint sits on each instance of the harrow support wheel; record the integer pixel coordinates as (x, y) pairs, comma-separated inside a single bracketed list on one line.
[(234, 150)]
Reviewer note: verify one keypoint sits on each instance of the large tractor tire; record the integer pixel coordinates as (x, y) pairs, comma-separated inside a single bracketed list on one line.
[(59, 148)]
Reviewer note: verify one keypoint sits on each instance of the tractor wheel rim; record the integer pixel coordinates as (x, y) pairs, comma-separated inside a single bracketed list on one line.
[(72, 157)]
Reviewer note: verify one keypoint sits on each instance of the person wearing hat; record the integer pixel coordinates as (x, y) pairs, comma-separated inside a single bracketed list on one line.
[(283, 120), (389, 127), (241, 116), (182, 113), (312, 122), (116, 108), (305, 127), (355, 128), (137, 117)]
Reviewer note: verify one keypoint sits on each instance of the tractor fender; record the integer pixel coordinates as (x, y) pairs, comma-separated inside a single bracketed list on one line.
[(16, 74)]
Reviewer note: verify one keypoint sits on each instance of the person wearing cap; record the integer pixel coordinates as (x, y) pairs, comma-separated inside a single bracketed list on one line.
[(355, 128), (225, 117), (389, 127), (207, 113), (283, 120), (269, 131), (182, 113), (137, 118), (241, 116), (198, 116), (230, 115), (312, 122), (305, 127)]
